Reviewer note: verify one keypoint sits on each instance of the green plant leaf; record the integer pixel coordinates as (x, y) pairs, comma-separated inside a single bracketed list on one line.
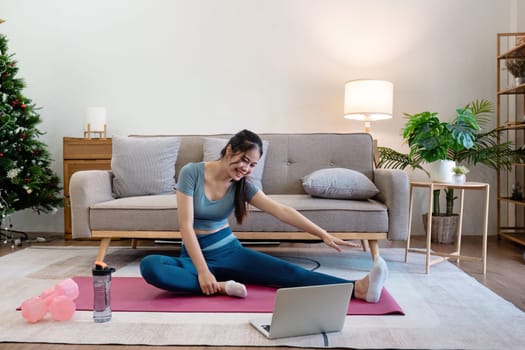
[(462, 129), (392, 159), (482, 111)]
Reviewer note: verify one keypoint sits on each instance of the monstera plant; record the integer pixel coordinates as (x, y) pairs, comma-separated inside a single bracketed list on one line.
[(436, 141)]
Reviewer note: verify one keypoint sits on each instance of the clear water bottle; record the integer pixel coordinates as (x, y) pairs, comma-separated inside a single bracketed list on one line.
[(102, 292)]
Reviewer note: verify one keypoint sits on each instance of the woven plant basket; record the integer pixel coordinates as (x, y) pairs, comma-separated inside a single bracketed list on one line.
[(444, 228)]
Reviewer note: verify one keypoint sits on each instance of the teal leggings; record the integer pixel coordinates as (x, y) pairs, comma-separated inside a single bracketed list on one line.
[(227, 260)]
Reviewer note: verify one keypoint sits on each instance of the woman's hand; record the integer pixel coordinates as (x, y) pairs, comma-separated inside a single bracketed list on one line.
[(335, 242), (208, 283)]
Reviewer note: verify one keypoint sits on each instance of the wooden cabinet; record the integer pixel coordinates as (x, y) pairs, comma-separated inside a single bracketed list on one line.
[(82, 154), (510, 116)]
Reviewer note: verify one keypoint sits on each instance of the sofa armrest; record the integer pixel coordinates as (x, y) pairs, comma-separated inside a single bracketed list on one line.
[(394, 190), (86, 188)]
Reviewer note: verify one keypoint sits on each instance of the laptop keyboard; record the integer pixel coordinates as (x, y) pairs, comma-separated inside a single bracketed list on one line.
[(266, 327)]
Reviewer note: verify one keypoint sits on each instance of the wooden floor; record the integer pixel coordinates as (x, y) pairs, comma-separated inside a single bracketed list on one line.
[(505, 276)]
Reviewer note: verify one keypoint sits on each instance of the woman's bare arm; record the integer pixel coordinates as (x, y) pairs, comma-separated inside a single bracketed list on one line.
[(207, 280), (292, 217)]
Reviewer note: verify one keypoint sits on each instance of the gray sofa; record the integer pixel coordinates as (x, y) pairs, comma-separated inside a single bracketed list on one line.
[(97, 213)]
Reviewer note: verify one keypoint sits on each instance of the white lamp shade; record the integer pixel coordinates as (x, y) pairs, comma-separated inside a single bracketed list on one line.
[(96, 118), (369, 100)]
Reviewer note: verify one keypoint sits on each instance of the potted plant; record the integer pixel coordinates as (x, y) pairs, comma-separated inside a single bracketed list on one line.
[(435, 142), (459, 174), (460, 141), (516, 67)]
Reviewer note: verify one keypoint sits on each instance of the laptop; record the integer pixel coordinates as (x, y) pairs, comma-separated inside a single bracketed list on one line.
[(306, 310)]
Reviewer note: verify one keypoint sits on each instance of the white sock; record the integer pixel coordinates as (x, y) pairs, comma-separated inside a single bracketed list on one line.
[(235, 289), (377, 277)]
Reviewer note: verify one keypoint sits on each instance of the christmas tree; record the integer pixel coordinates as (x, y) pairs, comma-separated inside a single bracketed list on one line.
[(26, 179)]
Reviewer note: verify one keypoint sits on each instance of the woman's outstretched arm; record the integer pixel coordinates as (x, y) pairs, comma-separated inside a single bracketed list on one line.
[(292, 217)]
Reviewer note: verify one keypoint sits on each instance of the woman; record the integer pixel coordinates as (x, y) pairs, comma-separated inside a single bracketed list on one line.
[(212, 260)]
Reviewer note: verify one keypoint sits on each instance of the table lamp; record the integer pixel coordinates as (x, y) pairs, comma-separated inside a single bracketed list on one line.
[(95, 122), (368, 100)]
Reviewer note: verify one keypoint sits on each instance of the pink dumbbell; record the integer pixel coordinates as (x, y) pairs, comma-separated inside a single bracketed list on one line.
[(58, 301)]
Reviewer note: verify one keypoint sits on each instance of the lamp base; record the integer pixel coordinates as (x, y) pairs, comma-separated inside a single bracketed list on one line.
[(101, 134), (367, 127)]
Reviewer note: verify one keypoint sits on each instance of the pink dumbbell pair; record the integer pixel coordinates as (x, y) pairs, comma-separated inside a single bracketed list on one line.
[(58, 301)]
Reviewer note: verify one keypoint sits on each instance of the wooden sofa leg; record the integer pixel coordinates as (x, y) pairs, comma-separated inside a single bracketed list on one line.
[(374, 248), (102, 248), (364, 244), (134, 243)]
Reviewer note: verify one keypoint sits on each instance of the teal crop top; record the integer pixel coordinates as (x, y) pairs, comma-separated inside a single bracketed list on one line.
[(208, 215)]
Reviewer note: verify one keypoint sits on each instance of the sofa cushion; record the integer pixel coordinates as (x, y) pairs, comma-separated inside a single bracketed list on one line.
[(159, 213), (137, 213), (212, 147), (333, 215), (143, 165), (339, 183)]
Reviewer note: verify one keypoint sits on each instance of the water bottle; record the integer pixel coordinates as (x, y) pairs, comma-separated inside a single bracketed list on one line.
[(102, 292)]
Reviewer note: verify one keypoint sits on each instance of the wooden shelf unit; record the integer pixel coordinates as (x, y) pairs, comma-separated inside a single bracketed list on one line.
[(82, 154), (515, 90), (510, 116), (513, 201), (514, 51)]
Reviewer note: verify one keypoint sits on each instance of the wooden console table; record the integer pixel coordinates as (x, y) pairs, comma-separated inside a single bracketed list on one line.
[(82, 154), (431, 186)]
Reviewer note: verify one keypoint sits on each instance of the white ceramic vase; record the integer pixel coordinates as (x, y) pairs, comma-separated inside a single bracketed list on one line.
[(441, 170)]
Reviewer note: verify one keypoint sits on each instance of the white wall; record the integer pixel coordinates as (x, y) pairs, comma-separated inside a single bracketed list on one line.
[(517, 15), (212, 66)]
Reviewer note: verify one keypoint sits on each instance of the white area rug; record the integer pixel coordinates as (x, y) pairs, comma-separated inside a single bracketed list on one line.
[(444, 310)]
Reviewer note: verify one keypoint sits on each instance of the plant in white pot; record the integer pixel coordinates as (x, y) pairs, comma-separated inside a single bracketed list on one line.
[(459, 174), (435, 142), (460, 141), (516, 67)]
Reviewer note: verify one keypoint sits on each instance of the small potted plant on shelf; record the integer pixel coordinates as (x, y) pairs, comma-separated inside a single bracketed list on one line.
[(459, 176), (516, 67), (517, 194)]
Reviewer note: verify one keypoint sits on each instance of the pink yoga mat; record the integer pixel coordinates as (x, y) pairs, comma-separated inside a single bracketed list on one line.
[(134, 294)]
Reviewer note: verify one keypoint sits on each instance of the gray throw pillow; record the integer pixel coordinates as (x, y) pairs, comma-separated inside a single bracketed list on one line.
[(339, 183), (212, 147), (143, 165)]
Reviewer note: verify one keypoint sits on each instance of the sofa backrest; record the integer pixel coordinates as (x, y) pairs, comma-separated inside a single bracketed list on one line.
[(292, 156)]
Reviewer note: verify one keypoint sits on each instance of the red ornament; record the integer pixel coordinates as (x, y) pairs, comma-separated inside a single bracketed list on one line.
[(23, 136), (23, 105), (14, 103), (1, 154), (26, 180)]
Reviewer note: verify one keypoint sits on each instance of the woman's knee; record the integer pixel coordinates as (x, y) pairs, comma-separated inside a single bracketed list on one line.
[(149, 265)]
